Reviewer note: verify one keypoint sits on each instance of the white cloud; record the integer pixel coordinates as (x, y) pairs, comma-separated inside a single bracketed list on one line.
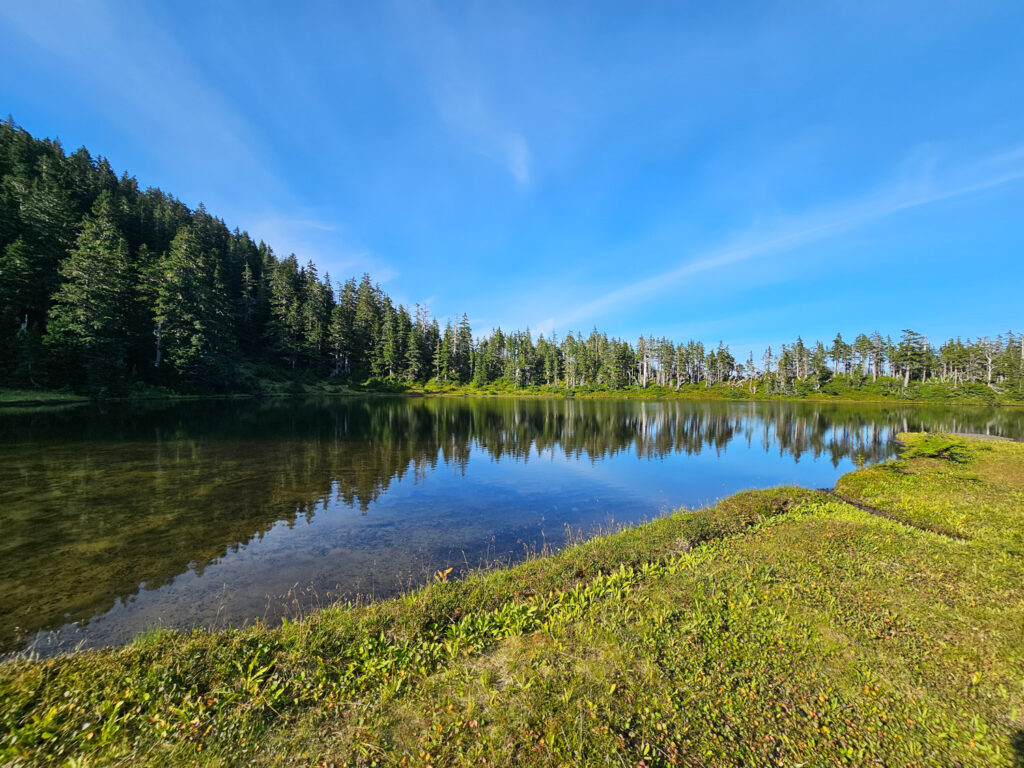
[(467, 107), (384, 274), (519, 159), (321, 242), (906, 194), (145, 82)]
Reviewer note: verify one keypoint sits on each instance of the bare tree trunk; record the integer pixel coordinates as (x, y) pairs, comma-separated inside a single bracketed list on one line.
[(159, 348)]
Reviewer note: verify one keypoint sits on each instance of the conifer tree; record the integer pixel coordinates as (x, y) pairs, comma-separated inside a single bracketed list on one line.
[(413, 363), (461, 351), (87, 320), (366, 324), (286, 312), (15, 284), (341, 339), (192, 315), (316, 302)]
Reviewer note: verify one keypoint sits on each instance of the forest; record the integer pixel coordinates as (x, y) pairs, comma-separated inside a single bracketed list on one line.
[(109, 290)]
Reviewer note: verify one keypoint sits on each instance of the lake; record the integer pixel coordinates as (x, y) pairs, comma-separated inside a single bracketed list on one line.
[(118, 519)]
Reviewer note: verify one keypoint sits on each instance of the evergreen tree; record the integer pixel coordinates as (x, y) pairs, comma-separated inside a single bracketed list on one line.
[(366, 325), (87, 320), (15, 285), (413, 368), (315, 305), (341, 338), (192, 315), (443, 354), (462, 350), (838, 352), (287, 316)]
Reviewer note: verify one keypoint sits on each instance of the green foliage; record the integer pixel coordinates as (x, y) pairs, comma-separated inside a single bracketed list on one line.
[(87, 320), (37, 397), (191, 315), (132, 289)]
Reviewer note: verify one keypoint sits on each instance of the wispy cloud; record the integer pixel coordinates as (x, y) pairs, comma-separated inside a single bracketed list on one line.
[(462, 108), (467, 107), (162, 94), (518, 157), (293, 225), (904, 195), (323, 243)]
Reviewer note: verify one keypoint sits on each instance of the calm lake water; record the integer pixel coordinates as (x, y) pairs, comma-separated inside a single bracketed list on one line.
[(213, 513)]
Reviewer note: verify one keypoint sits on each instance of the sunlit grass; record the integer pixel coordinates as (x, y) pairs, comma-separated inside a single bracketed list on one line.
[(37, 396), (968, 487), (841, 389)]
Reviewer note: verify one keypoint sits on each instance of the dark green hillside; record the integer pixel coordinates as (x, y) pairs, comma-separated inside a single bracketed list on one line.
[(110, 290)]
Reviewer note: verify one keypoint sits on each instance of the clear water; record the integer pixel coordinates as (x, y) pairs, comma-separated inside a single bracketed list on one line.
[(213, 513)]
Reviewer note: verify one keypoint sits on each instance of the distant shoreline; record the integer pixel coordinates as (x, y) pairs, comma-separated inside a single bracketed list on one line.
[(22, 398)]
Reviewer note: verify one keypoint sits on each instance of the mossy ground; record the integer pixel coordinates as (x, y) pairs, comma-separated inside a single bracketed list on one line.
[(38, 397), (842, 389), (779, 627), (267, 382)]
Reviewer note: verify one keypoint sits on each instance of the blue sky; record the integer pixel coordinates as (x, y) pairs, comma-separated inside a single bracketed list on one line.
[(743, 172)]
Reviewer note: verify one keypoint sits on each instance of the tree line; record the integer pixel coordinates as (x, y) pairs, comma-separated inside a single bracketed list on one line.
[(105, 286)]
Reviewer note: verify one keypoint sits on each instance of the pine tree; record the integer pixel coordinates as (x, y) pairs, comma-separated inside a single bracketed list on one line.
[(390, 355), (443, 354), (192, 315), (316, 302), (413, 363), (366, 325), (341, 340), (287, 319), (838, 352), (461, 354), (87, 321), (15, 285)]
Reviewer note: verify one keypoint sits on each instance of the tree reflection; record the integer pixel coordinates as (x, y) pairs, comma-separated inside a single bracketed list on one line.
[(98, 504)]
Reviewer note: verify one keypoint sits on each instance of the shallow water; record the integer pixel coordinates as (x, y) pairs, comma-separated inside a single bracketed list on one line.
[(212, 513)]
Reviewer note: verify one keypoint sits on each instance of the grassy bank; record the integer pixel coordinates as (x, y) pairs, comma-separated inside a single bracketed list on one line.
[(38, 397), (778, 627), (884, 390), (881, 391)]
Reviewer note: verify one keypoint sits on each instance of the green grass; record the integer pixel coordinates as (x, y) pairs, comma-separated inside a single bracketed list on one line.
[(268, 382), (778, 627), (862, 389), (966, 487), (37, 397)]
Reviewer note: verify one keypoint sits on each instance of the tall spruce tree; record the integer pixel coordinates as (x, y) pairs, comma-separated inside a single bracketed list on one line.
[(192, 318), (90, 308), (286, 312)]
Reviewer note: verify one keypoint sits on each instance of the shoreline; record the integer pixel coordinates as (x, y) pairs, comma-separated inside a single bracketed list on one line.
[(787, 612), (48, 398), (363, 600)]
